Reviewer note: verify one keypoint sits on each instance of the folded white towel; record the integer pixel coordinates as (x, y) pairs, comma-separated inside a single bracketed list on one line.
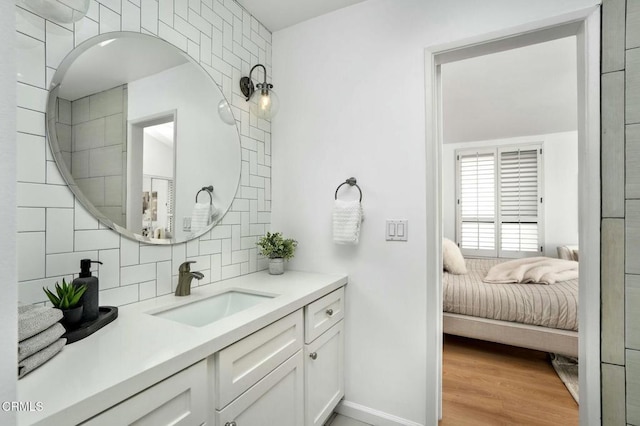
[(347, 216), (36, 360), (32, 319), (200, 217), (34, 344)]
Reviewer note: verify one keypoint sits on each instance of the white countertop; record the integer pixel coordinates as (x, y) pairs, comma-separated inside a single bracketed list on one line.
[(137, 349)]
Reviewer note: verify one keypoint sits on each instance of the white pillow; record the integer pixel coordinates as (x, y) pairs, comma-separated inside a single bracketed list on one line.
[(452, 258)]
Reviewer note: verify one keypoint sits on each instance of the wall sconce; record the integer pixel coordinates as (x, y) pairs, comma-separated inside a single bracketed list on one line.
[(266, 101), (61, 11)]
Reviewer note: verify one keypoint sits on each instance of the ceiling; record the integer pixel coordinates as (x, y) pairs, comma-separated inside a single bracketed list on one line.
[(521, 92), (103, 67), (279, 14)]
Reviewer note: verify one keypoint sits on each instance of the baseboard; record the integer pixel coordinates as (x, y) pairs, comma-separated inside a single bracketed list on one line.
[(371, 416)]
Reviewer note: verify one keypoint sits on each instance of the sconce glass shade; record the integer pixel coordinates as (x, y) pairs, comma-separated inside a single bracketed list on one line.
[(61, 11), (264, 102)]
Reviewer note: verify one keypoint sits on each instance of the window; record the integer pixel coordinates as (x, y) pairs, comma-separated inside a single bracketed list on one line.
[(499, 196)]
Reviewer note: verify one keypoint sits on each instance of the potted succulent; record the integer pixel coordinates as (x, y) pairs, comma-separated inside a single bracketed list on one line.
[(67, 299), (277, 249)]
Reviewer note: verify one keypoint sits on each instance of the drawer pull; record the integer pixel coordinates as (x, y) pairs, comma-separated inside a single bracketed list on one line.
[(329, 312), (313, 355), (230, 424)]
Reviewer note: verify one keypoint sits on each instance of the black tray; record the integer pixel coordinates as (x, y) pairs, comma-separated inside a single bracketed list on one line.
[(106, 314)]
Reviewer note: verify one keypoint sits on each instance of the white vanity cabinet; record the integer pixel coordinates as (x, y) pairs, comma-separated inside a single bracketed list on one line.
[(259, 380), (178, 400), (324, 357)]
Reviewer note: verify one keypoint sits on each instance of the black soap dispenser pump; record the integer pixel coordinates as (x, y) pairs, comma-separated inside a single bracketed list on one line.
[(90, 297)]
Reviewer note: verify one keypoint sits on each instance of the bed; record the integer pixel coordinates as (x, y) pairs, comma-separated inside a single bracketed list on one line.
[(535, 316)]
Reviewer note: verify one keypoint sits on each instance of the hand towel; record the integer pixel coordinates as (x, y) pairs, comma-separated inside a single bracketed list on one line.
[(36, 360), (347, 216), (200, 217), (30, 346), (32, 319)]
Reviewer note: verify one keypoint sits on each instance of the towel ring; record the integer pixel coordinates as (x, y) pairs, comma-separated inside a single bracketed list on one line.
[(352, 182), (208, 190)]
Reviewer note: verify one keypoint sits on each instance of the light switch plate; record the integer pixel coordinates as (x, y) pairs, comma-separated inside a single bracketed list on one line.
[(397, 230)]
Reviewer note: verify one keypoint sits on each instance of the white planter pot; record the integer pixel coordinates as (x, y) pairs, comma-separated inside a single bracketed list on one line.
[(276, 266)]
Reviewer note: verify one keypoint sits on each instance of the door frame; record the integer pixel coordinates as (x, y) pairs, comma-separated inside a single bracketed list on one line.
[(585, 25)]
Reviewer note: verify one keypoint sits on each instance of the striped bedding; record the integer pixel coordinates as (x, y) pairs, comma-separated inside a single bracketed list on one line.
[(553, 306)]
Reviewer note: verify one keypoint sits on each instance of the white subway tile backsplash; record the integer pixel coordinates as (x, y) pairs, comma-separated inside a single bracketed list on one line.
[(155, 253), (59, 43), (109, 271), (186, 29), (42, 195), (31, 219), (114, 5), (29, 121), (68, 263), (147, 290), (137, 273), (59, 230), (31, 97), (29, 23), (149, 15), (129, 252), (96, 240), (210, 246), (216, 268), (31, 255), (109, 20), (163, 278), (119, 296), (165, 11), (226, 251), (53, 174), (230, 271), (30, 60), (172, 36), (227, 41), (30, 155), (85, 29), (83, 219)]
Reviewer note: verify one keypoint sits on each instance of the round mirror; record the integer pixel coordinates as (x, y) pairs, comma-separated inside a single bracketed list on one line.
[(134, 127)]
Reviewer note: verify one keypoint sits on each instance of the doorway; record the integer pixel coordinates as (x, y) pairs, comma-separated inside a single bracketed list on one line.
[(584, 25)]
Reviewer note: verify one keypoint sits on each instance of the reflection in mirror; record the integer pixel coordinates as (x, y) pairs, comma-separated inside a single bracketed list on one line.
[(135, 128)]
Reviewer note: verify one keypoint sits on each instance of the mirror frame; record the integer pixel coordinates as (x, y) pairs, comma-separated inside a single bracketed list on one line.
[(51, 135)]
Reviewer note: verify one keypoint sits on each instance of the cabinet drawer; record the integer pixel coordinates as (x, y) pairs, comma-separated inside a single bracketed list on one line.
[(244, 363), (277, 399), (179, 400), (321, 315)]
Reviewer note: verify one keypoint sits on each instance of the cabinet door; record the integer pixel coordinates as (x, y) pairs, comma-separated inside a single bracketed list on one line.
[(179, 400), (324, 375), (277, 399)]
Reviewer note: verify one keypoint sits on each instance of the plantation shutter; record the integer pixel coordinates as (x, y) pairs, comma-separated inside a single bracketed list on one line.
[(519, 200), (477, 203)]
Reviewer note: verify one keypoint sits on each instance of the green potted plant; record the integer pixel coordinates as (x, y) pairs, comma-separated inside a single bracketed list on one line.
[(67, 298), (277, 249)]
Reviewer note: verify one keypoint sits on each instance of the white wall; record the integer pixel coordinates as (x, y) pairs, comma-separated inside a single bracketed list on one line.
[(8, 301), (351, 85), (560, 174)]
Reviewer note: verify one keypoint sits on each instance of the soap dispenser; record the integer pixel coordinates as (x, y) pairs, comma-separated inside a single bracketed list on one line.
[(89, 299)]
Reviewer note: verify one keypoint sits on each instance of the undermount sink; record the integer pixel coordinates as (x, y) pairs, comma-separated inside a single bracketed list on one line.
[(211, 309)]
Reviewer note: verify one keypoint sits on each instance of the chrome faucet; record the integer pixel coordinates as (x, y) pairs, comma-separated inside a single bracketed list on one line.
[(185, 275)]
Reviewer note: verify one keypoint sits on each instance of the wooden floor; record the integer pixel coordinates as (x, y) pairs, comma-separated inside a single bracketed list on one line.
[(491, 384)]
